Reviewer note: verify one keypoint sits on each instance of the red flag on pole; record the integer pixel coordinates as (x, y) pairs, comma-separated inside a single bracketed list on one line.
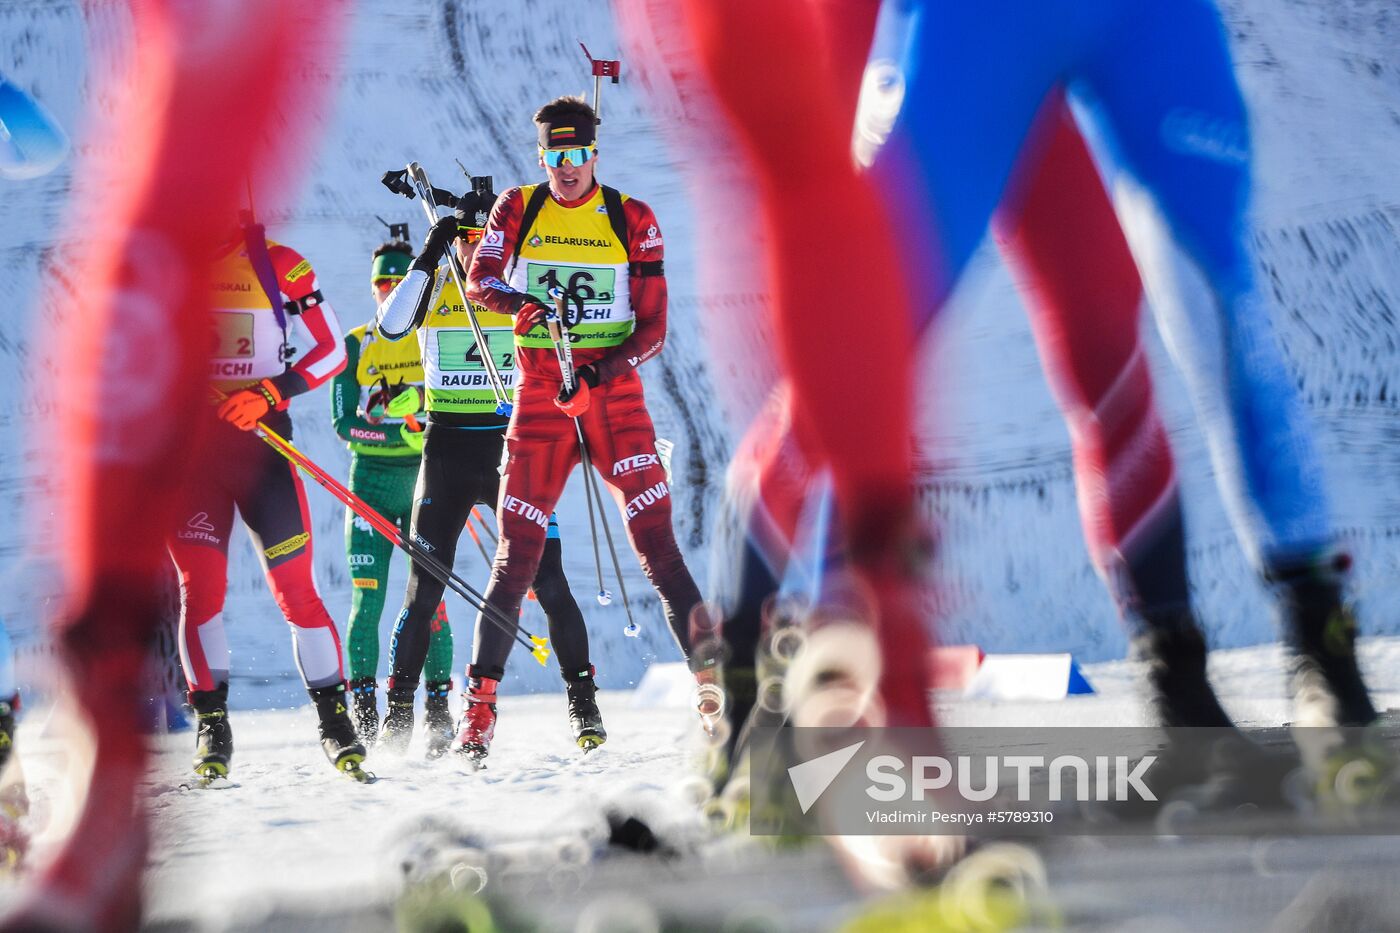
[(602, 67)]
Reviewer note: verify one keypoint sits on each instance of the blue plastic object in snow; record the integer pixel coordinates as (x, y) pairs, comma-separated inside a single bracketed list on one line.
[(1078, 683), (31, 141)]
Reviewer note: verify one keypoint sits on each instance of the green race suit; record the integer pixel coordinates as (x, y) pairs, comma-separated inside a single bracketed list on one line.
[(383, 470)]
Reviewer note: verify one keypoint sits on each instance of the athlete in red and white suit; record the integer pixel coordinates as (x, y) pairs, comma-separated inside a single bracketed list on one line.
[(1061, 238), (1059, 231), (239, 470)]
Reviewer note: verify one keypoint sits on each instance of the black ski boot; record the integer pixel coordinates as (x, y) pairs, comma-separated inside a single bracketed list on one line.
[(338, 738), (438, 727), (584, 717), (1171, 643), (214, 741), (1331, 705), (1324, 680), (397, 730), (365, 710), (1207, 763)]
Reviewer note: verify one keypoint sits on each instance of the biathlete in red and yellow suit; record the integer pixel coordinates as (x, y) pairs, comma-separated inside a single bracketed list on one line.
[(259, 289), (605, 249)]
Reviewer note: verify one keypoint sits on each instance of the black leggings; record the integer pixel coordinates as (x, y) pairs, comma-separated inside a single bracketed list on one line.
[(461, 469)]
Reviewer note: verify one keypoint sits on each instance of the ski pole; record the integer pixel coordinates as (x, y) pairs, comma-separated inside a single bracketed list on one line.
[(537, 646), (565, 354), (459, 276), (476, 514), (479, 546)]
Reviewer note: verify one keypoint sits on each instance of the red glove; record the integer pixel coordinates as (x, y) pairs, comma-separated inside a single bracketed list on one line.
[(246, 407), (575, 403), (530, 314)]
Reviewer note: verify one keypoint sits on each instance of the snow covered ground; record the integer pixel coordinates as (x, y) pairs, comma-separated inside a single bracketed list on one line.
[(293, 834), (294, 830)]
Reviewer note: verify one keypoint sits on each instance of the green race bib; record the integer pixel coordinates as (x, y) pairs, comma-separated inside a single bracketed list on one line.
[(458, 350), (596, 285)]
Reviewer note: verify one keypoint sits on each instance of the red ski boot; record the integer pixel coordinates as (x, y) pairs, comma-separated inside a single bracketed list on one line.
[(478, 723)]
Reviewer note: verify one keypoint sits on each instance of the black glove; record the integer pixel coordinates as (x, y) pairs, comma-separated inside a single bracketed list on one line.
[(586, 373), (435, 244)]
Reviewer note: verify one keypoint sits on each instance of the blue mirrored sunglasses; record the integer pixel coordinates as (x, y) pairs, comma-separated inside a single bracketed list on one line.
[(576, 156)]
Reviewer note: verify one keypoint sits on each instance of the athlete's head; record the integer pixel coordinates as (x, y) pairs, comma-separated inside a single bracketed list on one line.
[(567, 127), (390, 265)]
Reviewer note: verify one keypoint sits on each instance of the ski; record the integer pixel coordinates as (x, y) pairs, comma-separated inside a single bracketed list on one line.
[(437, 746), (506, 882), (210, 776), (352, 767), (999, 887)]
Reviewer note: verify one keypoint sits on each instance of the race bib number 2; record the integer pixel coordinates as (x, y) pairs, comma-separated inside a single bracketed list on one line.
[(233, 335)]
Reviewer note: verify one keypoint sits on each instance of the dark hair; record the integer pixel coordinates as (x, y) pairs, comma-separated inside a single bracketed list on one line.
[(564, 108), (392, 246)]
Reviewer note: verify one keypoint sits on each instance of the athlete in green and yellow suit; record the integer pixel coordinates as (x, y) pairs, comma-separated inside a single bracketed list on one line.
[(376, 406)]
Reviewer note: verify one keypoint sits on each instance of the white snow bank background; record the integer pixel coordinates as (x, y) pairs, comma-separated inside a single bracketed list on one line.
[(435, 80)]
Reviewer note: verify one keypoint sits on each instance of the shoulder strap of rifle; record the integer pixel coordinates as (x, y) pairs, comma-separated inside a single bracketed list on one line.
[(612, 200), (255, 239), (527, 220)]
